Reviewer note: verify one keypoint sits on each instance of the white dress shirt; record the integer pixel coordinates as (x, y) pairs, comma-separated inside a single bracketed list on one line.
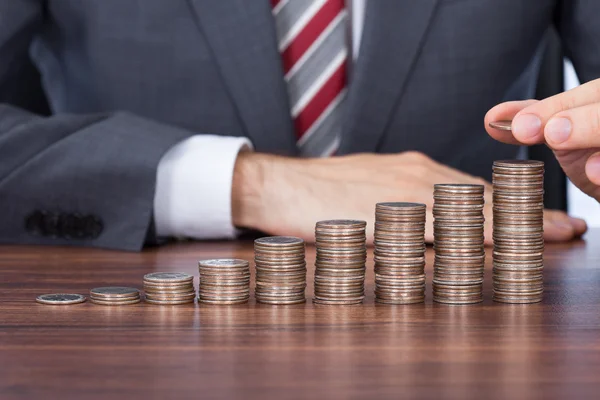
[(193, 183)]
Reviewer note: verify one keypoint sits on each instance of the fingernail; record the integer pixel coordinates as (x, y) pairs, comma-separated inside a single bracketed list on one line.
[(558, 130), (526, 126)]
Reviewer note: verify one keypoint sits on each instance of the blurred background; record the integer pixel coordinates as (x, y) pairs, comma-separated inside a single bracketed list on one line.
[(555, 74)]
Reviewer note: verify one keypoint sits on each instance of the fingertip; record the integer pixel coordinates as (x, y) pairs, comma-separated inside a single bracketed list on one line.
[(527, 129), (557, 131), (558, 231), (502, 112), (592, 168), (579, 225), (507, 110)]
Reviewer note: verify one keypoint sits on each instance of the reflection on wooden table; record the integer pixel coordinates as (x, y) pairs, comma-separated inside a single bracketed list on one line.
[(489, 350)]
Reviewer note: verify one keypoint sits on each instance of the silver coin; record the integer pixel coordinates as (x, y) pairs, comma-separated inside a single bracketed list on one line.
[(223, 302), (161, 297), (519, 164), (341, 223), (504, 125), (115, 302), (114, 292), (274, 241), (60, 299), (170, 302), (168, 277), (224, 263)]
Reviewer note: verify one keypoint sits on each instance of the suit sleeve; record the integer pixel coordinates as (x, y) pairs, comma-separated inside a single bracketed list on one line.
[(82, 180), (579, 27)]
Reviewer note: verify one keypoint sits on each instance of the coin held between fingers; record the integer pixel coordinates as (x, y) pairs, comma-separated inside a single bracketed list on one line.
[(504, 125)]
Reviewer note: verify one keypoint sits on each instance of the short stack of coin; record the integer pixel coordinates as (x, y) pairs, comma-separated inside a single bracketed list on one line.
[(114, 296), (518, 231), (280, 270), (458, 243), (400, 253), (169, 288), (340, 263), (224, 281)]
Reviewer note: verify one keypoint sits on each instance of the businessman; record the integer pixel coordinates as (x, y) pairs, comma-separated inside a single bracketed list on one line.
[(193, 118)]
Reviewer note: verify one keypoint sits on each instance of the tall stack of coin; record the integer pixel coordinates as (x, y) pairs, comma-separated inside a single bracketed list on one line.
[(399, 253), (114, 296), (518, 231), (169, 288), (280, 270), (224, 281), (458, 243), (340, 263)]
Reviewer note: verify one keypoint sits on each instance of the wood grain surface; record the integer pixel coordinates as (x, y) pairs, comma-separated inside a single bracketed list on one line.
[(424, 351)]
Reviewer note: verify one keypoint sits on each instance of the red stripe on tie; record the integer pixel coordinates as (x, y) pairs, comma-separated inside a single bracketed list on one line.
[(315, 107), (307, 36), (275, 2)]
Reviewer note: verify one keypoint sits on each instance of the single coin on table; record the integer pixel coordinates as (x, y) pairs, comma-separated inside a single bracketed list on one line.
[(60, 299), (505, 125)]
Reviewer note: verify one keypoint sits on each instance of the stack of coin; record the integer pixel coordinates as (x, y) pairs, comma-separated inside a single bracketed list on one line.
[(169, 288), (458, 243), (280, 270), (340, 264), (399, 253), (114, 296), (224, 281), (518, 231)]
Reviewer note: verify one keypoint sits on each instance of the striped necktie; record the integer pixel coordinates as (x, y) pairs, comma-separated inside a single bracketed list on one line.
[(312, 40)]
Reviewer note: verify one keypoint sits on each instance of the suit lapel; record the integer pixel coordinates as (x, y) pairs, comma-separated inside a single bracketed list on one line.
[(242, 37), (393, 33)]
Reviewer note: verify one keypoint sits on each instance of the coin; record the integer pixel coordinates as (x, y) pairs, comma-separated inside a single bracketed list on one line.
[(344, 302), (272, 242), (224, 263), (223, 302), (504, 125), (60, 299), (168, 277), (115, 302), (169, 302), (114, 292)]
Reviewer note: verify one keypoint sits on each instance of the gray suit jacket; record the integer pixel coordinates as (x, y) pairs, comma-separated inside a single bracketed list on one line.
[(127, 79)]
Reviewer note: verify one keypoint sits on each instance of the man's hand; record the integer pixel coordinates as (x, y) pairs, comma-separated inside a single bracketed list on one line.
[(569, 123), (287, 196)]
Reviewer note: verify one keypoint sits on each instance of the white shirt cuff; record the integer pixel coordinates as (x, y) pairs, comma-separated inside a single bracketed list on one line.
[(193, 187)]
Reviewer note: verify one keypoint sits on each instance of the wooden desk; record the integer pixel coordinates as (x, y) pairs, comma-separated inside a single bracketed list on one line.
[(486, 351)]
